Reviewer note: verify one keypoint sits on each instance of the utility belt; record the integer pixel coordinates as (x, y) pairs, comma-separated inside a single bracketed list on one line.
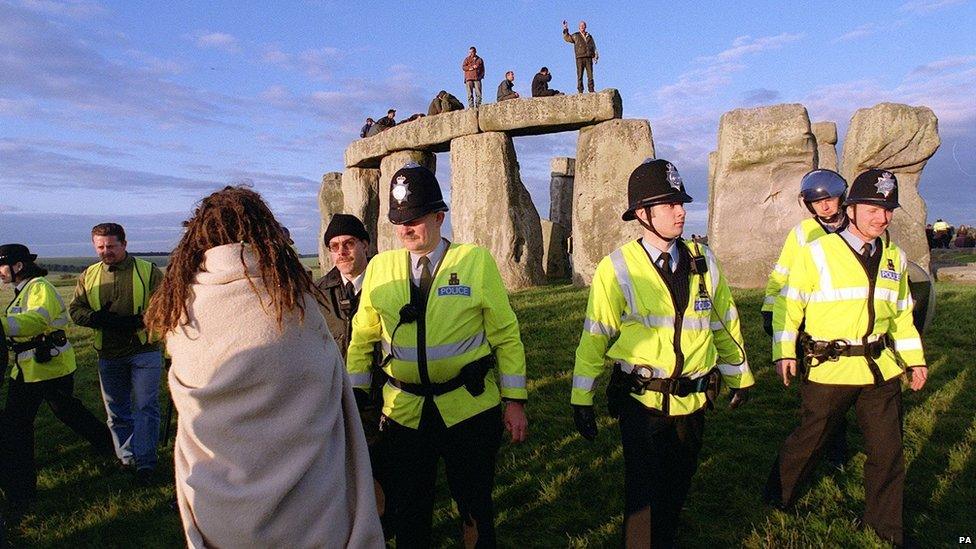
[(43, 346), (816, 352), (640, 379), (471, 377)]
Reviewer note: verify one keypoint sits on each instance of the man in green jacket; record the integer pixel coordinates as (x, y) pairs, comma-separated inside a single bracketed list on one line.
[(110, 297), (585, 49)]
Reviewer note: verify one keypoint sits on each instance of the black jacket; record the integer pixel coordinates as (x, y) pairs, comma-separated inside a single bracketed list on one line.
[(540, 85)]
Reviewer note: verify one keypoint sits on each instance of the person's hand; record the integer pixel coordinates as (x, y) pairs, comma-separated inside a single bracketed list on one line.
[(565, 25), (786, 367), (103, 317), (515, 421), (917, 375), (738, 397), (585, 419)]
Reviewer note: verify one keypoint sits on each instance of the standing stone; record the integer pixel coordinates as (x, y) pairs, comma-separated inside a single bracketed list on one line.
[(491, 207), (360, 197), (330, 202), (563, 171), (762, 155), (901, 139), (555, 254), (606, 154), (826, 135), (386, 238)]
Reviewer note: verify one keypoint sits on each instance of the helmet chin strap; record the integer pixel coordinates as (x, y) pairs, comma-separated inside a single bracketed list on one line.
[(649, 225)]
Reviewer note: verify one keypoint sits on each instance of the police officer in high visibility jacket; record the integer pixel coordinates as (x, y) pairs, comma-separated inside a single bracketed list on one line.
[(454, 353), (43, 371), (851, 290), (667, 309), (822, 192)]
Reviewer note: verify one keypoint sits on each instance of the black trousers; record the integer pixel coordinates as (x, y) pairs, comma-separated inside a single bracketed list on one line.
[(468, 448), (584, 64), (879, 416), (23, 401), (660, 458)]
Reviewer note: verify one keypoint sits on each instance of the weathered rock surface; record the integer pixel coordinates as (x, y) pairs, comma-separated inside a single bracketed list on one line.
[(762, 155), (431, 133), (360, 197), (491, 207), (901, 139), (712, 162), (330, 202), (386, 238), (826, 135), (561, 191), (555, 250), (541, 115), (606, 154), (964, 274)]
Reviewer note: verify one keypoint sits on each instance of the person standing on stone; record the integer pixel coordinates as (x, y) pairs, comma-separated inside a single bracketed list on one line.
[(111, 297), (540, 84), (822, 192), (365, 129), (474, 72), (586, 54), (850, 291), (43, 371), (506, 90), (668, 311), (455, 362)]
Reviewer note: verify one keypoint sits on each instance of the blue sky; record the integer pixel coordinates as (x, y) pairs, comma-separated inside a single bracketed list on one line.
[(133, 111)]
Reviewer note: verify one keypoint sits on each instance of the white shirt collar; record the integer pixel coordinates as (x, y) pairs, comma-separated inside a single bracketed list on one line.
[(856, 241)]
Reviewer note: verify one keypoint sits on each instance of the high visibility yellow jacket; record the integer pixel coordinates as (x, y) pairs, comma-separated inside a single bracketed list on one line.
[(38, 309), (804, 232), (468, 316), (829, 287), (631, 319), (940, 226)]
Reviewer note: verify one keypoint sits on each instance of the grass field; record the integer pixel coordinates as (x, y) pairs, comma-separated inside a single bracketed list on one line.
[(559, 490)]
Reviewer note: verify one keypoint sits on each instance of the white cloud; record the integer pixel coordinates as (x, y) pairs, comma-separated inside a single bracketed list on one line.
[(860, 32), (77, 9), (922, 7), (216, 40), (316, 63)]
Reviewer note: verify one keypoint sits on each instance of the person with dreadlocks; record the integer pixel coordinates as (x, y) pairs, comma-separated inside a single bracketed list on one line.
[(269, 448), (661, 311), (850, 290)]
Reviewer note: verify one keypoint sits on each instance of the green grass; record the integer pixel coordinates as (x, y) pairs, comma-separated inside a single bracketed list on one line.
[(559, 490)]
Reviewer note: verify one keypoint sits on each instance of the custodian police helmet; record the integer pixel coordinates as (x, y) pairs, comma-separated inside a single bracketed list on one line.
[(414, 193), (877, 187), (655, 181)]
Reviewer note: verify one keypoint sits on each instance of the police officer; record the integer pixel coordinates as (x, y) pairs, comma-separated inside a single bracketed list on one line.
[(822, 192), (43, 371), (668, 310), (453, 354), (851, 290)]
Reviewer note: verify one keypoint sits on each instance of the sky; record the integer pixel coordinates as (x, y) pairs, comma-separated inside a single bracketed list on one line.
[(133, 111)]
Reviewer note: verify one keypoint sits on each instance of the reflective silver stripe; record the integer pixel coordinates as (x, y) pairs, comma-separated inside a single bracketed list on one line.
[(13, 328), (801, 235), (623, 279), (627, 368), (44, 312), (584, 383), (436, 352), (730, 370), (907, 303), (795, 295), (769, 300), (598, 328), (364, 379), (15, 310), (695, 323), (59, 322), (885, 294), (781, 269), (820, 260), (25, 356), (844, 294), (914, 344), (512, 381), (712, 268), (857, 341), (784, 337)]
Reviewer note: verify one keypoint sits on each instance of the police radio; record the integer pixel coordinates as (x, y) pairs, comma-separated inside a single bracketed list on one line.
[(699, 266)]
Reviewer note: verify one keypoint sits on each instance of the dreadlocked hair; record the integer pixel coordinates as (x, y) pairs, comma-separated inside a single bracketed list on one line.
[(233, 215)]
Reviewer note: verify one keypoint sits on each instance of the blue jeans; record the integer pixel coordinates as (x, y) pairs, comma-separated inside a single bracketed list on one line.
[(130, 389)]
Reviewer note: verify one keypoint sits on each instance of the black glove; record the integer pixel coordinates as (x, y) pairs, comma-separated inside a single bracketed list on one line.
[(124, 323), (738, 397), (585, 419), (768, 322), (103, 317)]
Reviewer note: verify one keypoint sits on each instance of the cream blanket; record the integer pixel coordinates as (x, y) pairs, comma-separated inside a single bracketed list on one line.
[(269, 447)]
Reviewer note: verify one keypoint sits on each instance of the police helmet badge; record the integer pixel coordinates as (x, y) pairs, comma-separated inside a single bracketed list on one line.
[(674, 178), (400, 190), (885, 184)]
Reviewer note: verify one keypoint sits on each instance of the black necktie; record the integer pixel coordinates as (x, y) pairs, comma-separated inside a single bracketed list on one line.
[(426, 280), (866, 251), (665, 260), (350, 290)]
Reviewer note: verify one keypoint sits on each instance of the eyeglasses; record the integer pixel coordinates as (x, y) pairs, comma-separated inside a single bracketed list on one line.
[(348, 245)]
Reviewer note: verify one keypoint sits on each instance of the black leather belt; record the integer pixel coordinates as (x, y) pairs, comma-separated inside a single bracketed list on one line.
[(471, 376)]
